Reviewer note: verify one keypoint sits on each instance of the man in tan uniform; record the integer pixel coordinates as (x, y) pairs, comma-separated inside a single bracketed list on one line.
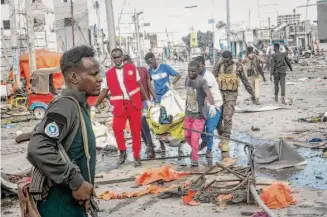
[(254, 70), (228, 73)]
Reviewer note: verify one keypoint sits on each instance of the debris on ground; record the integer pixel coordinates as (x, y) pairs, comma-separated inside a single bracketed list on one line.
[(313, 140), (260, 214), (278, 196), (165, 173), (255, 128), (277, 156)]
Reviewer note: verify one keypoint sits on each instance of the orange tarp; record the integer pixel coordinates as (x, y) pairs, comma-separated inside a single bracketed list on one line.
[(277, 196), (44, 59), (151, 189), (164, 173)]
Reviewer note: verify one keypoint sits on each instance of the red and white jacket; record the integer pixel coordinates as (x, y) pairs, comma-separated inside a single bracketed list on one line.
[(132, 87)]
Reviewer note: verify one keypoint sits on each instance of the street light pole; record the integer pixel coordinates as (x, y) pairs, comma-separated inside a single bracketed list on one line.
[(192, 30), (111, 25), (137, 31), (228, 25)]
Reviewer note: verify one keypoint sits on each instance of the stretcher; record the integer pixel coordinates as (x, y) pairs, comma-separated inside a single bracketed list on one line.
[(166, 120)]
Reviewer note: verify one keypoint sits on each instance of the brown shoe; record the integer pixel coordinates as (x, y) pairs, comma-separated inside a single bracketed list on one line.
[(276, 98), (283, 100), (209, 153), (122, 157), (150, 153), (137, 162), (162, 146), (202, 146)]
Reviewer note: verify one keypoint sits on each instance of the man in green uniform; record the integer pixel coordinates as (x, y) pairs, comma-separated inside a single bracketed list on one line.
[(279, 61), (71, 188), (227, 73)]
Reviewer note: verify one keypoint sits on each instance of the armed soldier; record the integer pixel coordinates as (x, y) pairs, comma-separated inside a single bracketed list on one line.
[(279, 61), (227, 73), (254, 70)]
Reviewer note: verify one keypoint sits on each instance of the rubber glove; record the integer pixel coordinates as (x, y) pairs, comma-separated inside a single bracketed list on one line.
[(212, 111)]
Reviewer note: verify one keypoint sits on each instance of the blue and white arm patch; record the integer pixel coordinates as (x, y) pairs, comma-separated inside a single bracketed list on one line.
[(54, 125)]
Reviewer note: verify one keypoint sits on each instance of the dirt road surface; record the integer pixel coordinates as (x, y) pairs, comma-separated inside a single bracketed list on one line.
[(306, 88)]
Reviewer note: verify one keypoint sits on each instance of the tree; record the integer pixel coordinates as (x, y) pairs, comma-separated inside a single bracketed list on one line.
[(204, 39)]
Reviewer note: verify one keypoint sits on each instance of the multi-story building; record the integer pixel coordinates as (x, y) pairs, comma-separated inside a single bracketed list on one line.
[(44, 31), (322, 21), (67, 36), (288, 18)]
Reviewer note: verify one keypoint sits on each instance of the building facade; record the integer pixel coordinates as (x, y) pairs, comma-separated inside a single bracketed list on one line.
[(44, 31), (66, 35)]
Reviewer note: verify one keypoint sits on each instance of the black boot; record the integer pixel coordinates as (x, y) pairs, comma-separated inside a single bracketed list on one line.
[(122, 157)]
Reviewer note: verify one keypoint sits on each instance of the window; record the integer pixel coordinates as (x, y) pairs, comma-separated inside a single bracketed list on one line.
[(6, 24), (68, 21), (4, 2), (64, 1)]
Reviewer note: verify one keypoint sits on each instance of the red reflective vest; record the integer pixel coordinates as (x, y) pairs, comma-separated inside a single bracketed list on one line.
[(131, 85)]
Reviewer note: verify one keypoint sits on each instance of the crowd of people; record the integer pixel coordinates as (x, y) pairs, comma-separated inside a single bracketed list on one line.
[(63, 150)]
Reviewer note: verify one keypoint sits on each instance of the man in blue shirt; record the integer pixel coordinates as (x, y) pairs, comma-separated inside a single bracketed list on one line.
[(160, 74)]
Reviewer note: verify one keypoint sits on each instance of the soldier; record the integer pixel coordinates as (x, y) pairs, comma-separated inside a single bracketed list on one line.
[(254, 70), (72, 181), (227, 73), (279, 61)]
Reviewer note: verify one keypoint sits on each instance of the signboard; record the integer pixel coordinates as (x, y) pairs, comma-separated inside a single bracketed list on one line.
[(263, 34), (194, 39), (211, 21), (248, 36)]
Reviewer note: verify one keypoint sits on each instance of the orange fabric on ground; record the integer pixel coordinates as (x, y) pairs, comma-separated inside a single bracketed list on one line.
[(277, 196), (164, 173), (151, 189), (188, 199)]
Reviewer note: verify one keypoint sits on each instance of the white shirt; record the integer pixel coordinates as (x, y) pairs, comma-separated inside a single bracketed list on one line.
[(214, 89), (120, 76)]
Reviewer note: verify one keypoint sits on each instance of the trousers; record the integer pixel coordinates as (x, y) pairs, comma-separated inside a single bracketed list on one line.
[(146, 133), (226, 122), (279, 79), (192, 138), (133, 116), (255, 83), (210, 125)]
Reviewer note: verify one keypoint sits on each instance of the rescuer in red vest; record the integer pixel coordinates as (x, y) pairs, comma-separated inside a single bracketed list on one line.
[(123, 84)]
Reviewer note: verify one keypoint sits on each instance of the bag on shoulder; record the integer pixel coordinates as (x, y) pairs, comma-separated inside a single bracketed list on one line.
[(27, 203)]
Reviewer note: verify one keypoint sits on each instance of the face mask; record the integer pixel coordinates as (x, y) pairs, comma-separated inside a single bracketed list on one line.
[(119, 66)]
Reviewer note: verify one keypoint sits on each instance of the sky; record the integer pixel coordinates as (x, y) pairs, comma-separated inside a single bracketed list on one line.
[(178, 20)]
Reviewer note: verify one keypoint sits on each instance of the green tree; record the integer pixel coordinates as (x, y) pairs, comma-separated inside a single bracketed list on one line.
[(204, 39)]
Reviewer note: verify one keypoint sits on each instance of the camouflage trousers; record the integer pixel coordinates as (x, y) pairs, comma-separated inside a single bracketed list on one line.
[(229, 102)]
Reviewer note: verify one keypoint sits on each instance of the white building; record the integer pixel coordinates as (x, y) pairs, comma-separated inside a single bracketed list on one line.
[(45, 38)]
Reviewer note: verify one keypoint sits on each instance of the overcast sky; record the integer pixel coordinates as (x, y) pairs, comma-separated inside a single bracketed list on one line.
[(173, 15)]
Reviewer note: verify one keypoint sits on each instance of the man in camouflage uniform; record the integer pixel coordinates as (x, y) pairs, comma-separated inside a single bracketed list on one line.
[(279, 63), (228, 73), (254, 70)]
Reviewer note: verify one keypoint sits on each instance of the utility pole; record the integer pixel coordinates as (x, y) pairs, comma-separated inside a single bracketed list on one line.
[(31, 36), (269, 26), (228, 25), (137, 31), (249, 19), (259, 13), (295, 31), (111, 25), (14, 43), (73, 20)]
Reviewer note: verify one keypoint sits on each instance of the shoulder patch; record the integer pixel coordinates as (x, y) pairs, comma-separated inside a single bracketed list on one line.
[(52, 129)]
